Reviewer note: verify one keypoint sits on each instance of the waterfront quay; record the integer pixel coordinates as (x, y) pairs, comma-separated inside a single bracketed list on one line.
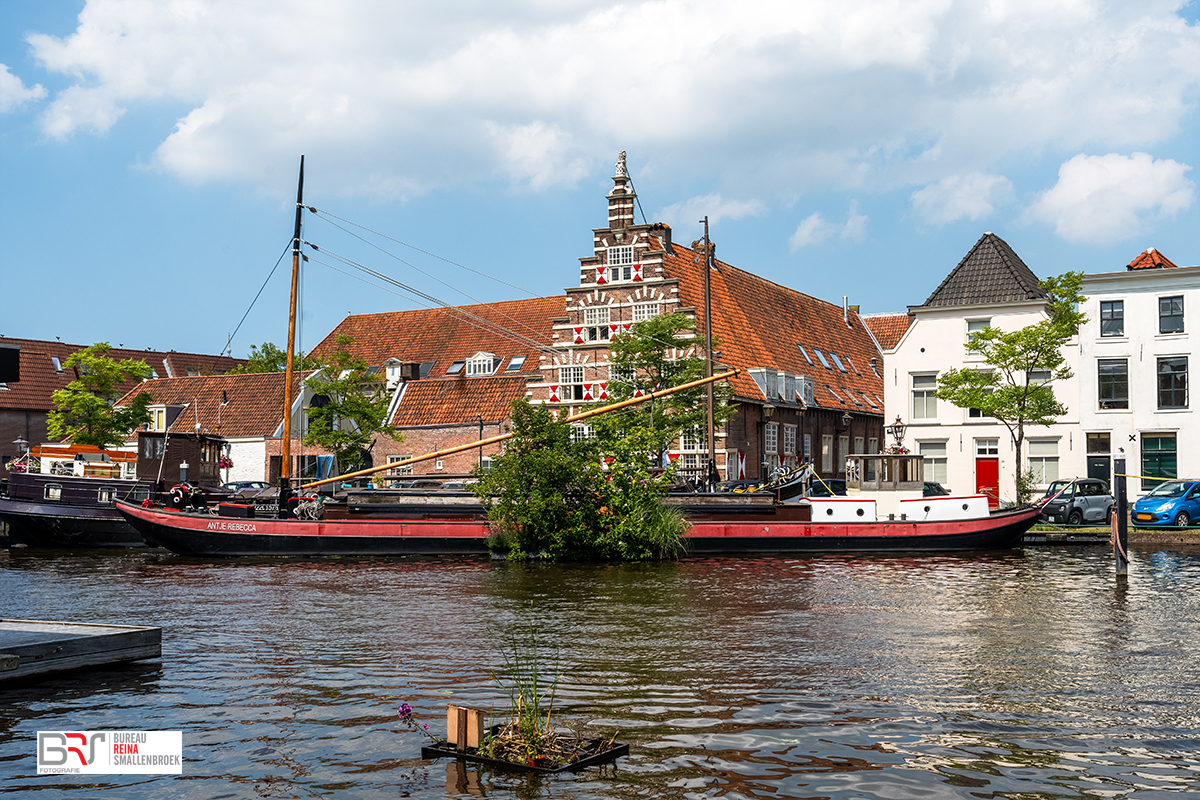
[(1026, 673)]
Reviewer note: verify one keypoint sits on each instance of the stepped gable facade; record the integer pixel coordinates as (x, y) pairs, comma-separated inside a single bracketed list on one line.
[(25, 405), (810, 386), (454, 373)]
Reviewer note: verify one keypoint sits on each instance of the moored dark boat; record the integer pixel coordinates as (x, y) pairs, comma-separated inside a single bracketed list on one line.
[(68, 511)]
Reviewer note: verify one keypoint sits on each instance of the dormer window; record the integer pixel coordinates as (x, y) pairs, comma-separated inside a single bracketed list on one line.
[(620, 263), (481, 364), (158, 419)]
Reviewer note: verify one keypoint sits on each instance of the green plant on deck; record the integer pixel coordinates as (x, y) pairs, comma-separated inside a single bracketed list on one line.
[(530, 735)]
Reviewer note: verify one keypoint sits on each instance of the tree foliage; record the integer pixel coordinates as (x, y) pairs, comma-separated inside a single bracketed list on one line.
[(555, 495), (270, 358), (657, 354), (352, 408), (83, 411), (1015, 385)]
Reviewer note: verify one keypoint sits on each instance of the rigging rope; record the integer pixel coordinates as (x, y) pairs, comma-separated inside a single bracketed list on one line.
[(255, 300)]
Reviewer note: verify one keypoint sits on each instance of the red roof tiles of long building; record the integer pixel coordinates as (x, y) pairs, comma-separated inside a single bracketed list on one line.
[(508, 329), (1151, 259), (760, 323), (254, 407), (40, 378), (458, 401)]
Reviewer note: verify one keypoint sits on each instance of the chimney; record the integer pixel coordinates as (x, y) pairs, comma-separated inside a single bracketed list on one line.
[(620, 199), (846, 310)]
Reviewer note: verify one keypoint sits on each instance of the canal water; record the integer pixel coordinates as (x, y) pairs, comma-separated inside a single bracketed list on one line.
[(1028, 674)]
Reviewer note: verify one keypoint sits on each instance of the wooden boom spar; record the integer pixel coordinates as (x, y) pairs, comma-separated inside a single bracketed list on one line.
[(482, 442)]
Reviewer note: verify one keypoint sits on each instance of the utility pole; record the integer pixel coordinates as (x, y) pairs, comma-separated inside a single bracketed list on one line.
[(711, 468), (286, 468)]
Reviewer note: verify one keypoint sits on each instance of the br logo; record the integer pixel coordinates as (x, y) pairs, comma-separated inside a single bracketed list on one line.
[(56, 749)]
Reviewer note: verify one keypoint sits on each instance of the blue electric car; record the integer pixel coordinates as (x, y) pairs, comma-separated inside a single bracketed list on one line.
[(1170, 503)]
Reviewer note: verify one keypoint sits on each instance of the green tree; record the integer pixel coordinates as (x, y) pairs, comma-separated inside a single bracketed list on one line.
[(651, 356), (83, 412), (1015, 385), (549, 493), (270, 358), (352, 407)]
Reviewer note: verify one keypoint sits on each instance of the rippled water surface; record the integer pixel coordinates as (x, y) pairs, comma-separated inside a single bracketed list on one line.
[(1029, 674)]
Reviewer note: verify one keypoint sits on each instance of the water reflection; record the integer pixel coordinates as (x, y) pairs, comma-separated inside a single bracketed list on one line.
[(1032, 673)]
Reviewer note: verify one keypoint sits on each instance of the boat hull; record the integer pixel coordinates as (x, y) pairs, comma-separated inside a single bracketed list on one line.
[(205, 535), (999, 531), (49, 525)]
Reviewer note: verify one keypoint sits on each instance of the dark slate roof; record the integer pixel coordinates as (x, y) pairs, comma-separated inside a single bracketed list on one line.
[(991, 273)]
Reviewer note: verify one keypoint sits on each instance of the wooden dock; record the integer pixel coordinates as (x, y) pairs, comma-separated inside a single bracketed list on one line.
[(33, 648)]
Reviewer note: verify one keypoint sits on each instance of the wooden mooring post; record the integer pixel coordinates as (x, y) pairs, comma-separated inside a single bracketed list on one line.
[(1120, 533)]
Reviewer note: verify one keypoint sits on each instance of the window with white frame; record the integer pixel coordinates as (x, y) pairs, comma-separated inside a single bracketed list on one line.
[(396, 472), (1112, 317), (826, 453), (1112, 376), (644, 311), (807, 446), (872, 448), (789, 440), (924, 396), (843, 452), (1043, 460), (1172, 382), (692, 441), (481, 364), (771, 438), (1170, 314), (1038, 377), (620, 263), (581, 432), (858, 445), (158, 419), (935, 460), (976, 326), (596, 320), (570, 380), (987, 447)]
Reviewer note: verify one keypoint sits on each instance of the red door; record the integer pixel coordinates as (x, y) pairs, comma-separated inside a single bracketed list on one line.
[(987, 479)]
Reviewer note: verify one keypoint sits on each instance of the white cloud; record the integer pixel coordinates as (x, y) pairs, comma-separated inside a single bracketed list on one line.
[(13, 93), (404, 97), (687, 215), (815, 229), (1105, 199), (971, 196)]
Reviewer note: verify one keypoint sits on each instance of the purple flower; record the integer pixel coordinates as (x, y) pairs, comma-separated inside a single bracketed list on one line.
[(405, 712)]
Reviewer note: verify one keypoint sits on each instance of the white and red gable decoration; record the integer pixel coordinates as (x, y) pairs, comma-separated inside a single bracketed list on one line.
[(618, 327), (554, 393), (637, 272), (601, 274), (579, 336)]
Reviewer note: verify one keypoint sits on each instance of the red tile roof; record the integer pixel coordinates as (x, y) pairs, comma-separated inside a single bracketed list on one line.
[(444, 335), (887, 328), (1151, 259), (39, 378), (458, 401), (760, 323), (255, 406)]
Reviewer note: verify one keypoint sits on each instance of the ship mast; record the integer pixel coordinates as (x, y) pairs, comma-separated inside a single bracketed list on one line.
[(286, 468)]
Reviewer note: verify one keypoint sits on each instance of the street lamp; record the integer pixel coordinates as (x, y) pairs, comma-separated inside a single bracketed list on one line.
[(846, 420), (22, 445), (896, 431)]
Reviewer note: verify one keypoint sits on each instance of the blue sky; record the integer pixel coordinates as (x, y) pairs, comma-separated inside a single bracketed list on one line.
[(148, 150)]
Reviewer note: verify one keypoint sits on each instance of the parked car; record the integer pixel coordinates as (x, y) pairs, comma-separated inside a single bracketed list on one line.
[(1170, 503), (826, 487), (1077, 501), (933, 489), (238, 486)]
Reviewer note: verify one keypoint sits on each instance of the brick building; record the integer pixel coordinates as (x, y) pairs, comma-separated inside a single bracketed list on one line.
[(810, 386), (25, 405)]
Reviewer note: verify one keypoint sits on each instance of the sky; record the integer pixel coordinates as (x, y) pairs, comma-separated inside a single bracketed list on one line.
[(149, 149)]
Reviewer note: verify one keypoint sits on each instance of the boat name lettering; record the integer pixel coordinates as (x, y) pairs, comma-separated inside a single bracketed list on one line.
[(232, 526)]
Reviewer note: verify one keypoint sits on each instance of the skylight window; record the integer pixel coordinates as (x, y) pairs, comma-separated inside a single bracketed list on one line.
[(804, 353), (851, 363), (456, 367), (829, 388), (824, 360), (426, 367), (57, 364), (837, 361), (515, 364)]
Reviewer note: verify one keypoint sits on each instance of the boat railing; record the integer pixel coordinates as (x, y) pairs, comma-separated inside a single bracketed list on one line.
[(881, 472)]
